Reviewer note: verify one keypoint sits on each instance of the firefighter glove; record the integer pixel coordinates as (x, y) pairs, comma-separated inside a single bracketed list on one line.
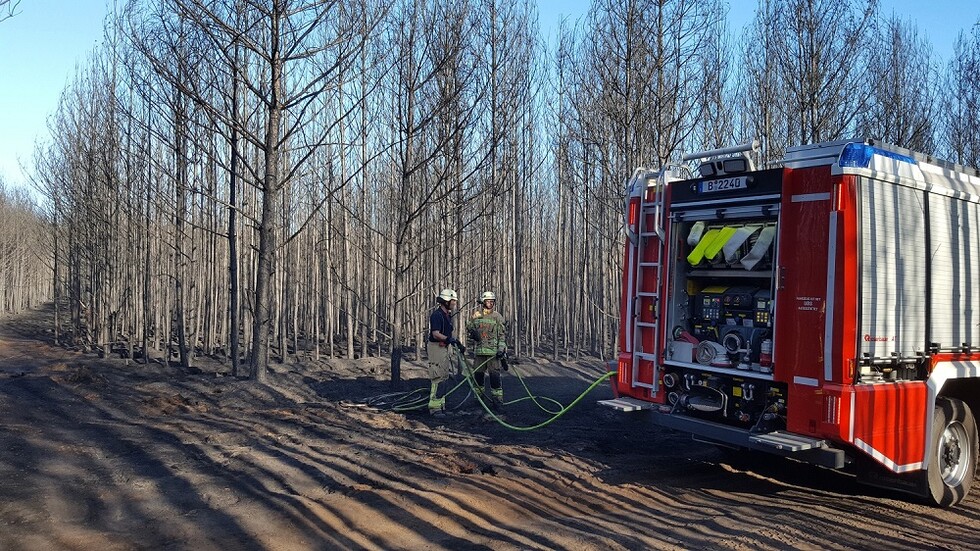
[(459, 346), (501, 354), (503, 364)]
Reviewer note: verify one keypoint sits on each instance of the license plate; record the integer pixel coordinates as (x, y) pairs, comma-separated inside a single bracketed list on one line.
[(723, 184)]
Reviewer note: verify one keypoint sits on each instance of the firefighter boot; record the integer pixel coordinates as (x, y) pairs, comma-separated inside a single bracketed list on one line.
[(497, 397), (437, 406), (478, 381)]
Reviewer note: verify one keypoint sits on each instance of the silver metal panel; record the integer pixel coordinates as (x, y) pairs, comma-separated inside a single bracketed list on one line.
[(814, 154), (927, 173), (955, 270), (626, 404), (946, 271), (808, 197), (970, 292), (788, 441), (830, 319), (893, 274)]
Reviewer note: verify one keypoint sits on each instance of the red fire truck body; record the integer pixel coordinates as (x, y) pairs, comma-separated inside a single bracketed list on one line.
[(826, 310)]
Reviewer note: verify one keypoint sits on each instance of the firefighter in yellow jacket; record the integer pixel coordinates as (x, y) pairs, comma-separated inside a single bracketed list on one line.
[(486, 328)]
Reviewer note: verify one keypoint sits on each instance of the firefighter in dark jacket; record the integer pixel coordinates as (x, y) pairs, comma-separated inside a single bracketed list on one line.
[(443, 349)]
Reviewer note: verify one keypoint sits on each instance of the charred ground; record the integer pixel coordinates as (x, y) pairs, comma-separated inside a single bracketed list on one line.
[(97, 454)]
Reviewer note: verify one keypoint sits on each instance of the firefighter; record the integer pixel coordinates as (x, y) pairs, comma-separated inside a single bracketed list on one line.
[(486, 328), (443, 349)]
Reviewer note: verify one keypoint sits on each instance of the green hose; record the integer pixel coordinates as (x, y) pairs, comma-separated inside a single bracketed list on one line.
[(422, 402), (554, 416), (405, 401), (534, 398)]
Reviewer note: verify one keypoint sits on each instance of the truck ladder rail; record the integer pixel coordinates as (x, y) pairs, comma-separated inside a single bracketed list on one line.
[(648, 235)]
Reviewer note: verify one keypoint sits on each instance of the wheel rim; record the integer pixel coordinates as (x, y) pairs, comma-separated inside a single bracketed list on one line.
[(954, 451)]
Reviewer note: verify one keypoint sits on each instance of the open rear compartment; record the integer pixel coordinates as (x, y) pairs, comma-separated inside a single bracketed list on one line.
[(721, 291)]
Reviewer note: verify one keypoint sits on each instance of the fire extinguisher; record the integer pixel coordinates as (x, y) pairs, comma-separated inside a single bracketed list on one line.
[(765, 356)]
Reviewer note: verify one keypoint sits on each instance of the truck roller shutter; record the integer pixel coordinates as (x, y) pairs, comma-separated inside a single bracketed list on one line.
[(954, 239), (893, 270)]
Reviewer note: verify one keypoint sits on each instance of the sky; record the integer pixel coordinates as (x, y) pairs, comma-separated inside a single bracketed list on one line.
[(43, 44)]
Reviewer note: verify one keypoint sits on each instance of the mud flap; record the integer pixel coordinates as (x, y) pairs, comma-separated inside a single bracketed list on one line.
[(870, 473)]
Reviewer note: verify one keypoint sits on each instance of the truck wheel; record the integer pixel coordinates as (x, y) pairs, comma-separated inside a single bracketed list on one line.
[(952, 453)]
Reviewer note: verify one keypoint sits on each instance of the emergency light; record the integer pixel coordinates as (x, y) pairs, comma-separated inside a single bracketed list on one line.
[(858, 155)]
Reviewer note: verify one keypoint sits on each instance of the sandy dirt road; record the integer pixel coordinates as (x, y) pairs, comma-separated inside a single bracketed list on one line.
[(95, 454)]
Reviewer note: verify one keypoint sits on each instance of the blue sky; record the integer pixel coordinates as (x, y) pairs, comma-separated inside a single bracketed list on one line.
[(41, 46)]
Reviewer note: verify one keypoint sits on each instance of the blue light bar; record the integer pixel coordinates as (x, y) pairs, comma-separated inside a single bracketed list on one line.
[(859, 155)]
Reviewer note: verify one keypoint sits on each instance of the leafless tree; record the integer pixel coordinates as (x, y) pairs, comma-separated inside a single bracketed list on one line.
[(434, 106), (637, 88), (762, 101), (820, 65), (281, 41), (8, 9), (296, 177), (716, 125), (508, 40), (25, 252), (962, 101), (83, 180), (903, 105), (805, 75)]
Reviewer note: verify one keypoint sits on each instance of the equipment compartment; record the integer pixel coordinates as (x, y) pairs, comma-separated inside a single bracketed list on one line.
[(721, 283)]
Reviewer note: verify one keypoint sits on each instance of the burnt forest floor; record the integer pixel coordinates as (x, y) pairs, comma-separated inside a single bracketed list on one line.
[(98, 454)]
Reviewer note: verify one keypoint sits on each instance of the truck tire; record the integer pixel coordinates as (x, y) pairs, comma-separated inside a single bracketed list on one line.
[(952, 453)]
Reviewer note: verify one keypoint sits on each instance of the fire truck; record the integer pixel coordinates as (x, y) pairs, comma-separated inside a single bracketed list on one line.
[(825, 308)]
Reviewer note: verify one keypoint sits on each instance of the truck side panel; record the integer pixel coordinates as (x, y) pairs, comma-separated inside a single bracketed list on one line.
[(888, 422), (841, 322), (801, 299)]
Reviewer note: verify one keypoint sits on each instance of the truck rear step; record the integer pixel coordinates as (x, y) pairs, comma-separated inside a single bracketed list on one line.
[(781, 443), (788, 441), (626, 404)]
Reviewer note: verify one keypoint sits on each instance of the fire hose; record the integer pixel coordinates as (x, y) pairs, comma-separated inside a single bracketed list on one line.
[(554, 415), (406, 401)]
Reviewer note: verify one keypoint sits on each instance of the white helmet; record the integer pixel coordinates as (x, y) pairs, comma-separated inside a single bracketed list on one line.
[(447, 294), (487, 295)]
